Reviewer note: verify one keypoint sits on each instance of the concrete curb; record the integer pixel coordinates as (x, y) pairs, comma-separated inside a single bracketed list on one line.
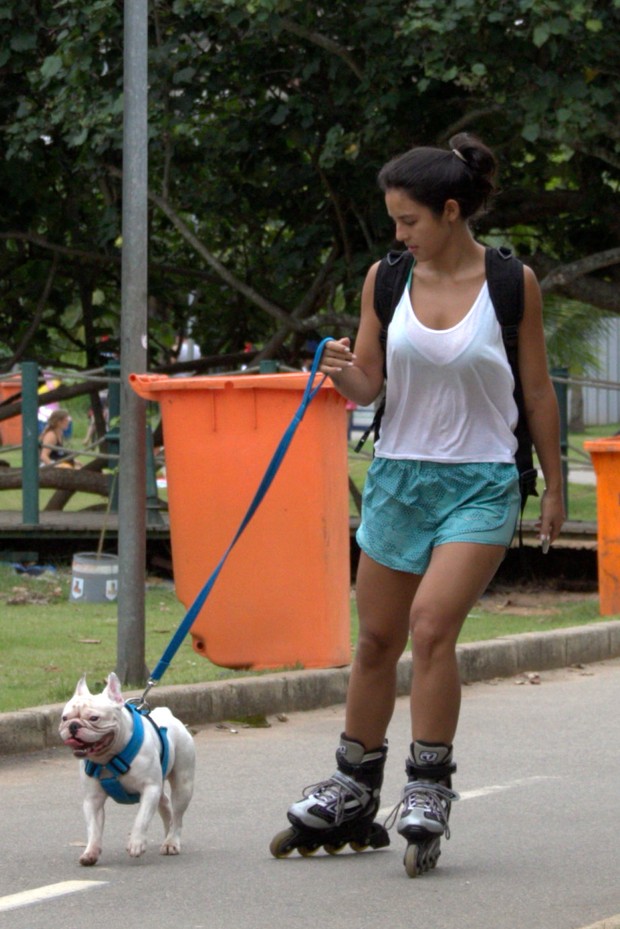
[(35, 729)]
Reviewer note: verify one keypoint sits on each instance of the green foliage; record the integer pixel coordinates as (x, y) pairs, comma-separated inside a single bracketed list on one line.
[(268, 120)]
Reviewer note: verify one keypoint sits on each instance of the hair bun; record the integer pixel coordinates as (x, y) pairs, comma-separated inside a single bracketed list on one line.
[(475, 154)]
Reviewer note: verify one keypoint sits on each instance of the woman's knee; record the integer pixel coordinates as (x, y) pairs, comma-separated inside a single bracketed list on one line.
[(431, 636), (375, 650)]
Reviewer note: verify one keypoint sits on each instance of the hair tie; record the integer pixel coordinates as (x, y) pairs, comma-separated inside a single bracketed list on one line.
[(456, 152)]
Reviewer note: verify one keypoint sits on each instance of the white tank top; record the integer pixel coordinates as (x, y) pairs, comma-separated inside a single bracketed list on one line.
[(449, 394)]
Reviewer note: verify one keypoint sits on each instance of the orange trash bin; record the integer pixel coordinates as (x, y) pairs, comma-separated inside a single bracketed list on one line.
[(10, 429), (605, 454), (283, 595)]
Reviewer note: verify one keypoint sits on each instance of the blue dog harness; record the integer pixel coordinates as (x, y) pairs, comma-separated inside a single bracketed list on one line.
[(121, 763)]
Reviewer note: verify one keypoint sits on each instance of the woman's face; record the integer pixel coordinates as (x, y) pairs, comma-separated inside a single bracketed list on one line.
[(420, 230)]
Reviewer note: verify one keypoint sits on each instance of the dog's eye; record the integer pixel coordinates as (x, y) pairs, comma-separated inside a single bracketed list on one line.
[(93, 719)]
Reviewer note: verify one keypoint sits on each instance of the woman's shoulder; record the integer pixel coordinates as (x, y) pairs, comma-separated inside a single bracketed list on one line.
[(49, 435)]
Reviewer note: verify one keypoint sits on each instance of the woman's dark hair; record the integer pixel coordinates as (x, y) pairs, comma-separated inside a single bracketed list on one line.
[(56, 417), (431, 176)]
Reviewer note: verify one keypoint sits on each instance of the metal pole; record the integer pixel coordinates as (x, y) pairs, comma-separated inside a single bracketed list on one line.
[(30, 443), (112, 439), (132, 467)]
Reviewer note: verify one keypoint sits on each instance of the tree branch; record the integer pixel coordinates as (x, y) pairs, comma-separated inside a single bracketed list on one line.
[(323, 42), (36, 319), (566, 274), (99, 259), (587, 289), (301, 310), (192, 239), (467, 119), (42, 242), (67, 479)]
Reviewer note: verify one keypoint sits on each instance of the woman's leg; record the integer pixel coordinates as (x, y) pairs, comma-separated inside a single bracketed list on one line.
[(384, 600), (458, 574)]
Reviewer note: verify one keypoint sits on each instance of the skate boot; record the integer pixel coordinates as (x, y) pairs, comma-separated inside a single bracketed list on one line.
[(426, 803), (339, 810)]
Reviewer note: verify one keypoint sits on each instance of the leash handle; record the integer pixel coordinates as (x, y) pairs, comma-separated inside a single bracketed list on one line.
[(272, 469)]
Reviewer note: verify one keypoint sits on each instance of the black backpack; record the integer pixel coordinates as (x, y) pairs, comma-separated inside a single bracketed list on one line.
[(504, 275)]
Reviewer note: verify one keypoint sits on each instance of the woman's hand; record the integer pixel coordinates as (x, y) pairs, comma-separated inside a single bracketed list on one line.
[(336, 357), (552, 516)]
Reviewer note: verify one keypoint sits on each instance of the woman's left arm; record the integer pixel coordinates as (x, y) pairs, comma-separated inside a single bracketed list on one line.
[(541, 408)]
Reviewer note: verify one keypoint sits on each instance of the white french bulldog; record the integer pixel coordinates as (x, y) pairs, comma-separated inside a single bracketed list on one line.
[(133, 757)]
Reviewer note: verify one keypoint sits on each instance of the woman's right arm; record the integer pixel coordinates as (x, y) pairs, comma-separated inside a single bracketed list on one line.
[(358, 374), (45, 449)]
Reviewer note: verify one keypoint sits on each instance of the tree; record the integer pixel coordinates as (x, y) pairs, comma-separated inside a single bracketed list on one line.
[(268, 121)]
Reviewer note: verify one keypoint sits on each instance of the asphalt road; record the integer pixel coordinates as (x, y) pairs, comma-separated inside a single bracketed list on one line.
[(534, 837)]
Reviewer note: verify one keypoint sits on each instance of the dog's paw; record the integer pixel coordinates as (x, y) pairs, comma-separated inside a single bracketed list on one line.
[(89, 857), (170, 847), (136, 847)]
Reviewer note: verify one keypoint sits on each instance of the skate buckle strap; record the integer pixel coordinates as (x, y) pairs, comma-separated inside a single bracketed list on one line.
[(336, 789), (431, 795)]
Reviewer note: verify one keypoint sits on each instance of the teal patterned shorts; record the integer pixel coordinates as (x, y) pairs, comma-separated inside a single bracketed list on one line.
[(409, 507)]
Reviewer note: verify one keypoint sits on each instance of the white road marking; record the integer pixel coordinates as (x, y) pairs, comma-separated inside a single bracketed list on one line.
[(612, 922), (495, 788), (486, 791), (39, 894)]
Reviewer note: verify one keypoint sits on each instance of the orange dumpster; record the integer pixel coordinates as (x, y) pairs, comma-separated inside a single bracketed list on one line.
[(605, 454), (10, 429), (283, 595)]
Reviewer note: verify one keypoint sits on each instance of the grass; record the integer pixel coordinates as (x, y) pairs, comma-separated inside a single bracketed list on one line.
[(492, 621), (48, 642)]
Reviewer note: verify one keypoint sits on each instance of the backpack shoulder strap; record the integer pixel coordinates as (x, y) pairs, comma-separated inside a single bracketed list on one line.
[(506, 289), (505, 281), (391, 277), (390, 281)]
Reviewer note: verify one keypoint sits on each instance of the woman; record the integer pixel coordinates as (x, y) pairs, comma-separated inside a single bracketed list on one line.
[(441, 500), (52, 440)]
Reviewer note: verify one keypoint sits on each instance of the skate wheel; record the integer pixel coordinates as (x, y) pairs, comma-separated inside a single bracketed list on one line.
[(281, 846), (411, 861), (307, 850), (433, 854), (334, 849), (359, 846), (422, 858)]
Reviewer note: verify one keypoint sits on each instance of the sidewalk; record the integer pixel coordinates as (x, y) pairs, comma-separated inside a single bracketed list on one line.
[(197, 705)]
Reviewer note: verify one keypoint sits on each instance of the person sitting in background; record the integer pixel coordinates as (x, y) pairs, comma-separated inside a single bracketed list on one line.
[(52, 440)]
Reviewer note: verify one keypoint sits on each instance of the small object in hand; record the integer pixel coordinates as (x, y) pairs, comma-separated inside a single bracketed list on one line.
[(545, 542)]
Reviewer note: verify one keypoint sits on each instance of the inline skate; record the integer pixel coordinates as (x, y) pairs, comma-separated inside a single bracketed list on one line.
[(426, 803), (340, 810)]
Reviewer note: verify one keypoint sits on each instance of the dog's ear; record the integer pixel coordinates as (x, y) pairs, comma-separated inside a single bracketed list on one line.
[(113, 689), (82, 688)]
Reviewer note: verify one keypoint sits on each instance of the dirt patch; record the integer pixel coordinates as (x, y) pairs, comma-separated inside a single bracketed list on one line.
[(540, 600)]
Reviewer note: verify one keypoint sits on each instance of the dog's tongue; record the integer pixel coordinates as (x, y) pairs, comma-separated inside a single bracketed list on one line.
[(83, 749)]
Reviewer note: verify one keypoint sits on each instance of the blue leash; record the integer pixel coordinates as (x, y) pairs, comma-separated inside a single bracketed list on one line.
[(272, 469)]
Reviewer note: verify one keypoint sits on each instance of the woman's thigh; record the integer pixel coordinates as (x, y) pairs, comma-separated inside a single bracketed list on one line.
[(384, 599), (457, 576)]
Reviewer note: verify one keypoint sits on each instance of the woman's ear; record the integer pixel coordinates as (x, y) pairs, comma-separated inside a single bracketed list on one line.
[(452, 210)]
